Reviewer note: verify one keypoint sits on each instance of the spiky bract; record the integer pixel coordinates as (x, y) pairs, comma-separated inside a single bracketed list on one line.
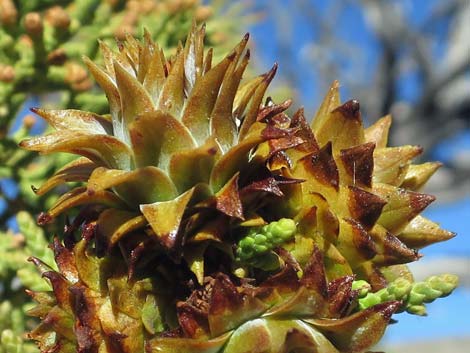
[(189, 164)]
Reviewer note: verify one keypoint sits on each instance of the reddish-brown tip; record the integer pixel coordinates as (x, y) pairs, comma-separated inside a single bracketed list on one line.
[(35, 261), (387, 309), (420, 201), (359, 163), (271, 73), (366, 207), (247, 54), (44, 218), (350, 109)]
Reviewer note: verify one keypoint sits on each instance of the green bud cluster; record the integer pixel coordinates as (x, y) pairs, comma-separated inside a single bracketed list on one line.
[(413, 295), (362, 287), (259, 241)]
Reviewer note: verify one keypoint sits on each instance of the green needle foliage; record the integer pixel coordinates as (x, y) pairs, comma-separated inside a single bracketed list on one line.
[(413, 295)]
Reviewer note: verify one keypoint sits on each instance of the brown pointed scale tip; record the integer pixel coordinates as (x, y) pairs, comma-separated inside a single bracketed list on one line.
[(59, 285), (247, 54), (350, 109), (35, 110), (64, 259), (30, 293), (387, 309), (418, 150), (362, 240), (298, 120), (232, 55), (228, 199), (324, 167), (341, 295), (366, 207), (44, 218), (268, 77), (359, 163), (36, 262), (314, 273), (273, 109), (243, 41), (397, 252), (420, 201), (40, 265), (43, 113)]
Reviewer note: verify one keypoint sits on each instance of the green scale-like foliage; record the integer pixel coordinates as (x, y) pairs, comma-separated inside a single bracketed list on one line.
[(413, 295), (16, 274)]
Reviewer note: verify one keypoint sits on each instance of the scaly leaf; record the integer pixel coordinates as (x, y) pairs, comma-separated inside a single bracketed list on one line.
[(156, 136), (104, 150), (165, 218)]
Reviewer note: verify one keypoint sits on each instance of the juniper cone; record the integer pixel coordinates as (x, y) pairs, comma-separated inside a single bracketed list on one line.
[(191, 178)]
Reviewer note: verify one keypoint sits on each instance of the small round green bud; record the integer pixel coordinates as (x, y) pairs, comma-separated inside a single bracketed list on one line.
[(260, 248), (362, 287), (416, 310), (445, 283), (240, 272), (399, 288), (370, 300), (247, 242), (384, 295), (260, 239), (284, 228)]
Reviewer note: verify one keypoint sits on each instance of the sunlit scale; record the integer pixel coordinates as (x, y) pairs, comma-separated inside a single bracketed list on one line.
[(190, 170)]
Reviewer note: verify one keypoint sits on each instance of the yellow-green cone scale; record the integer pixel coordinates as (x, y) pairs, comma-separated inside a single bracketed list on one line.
[(190, 160)]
